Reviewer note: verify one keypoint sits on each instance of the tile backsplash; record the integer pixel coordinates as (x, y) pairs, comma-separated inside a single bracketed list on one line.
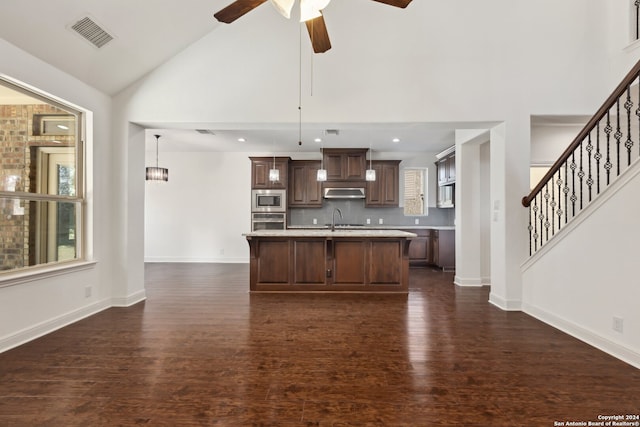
[(354, 212)]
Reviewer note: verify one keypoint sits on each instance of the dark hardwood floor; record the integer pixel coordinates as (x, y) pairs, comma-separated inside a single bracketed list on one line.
[(203, 351)]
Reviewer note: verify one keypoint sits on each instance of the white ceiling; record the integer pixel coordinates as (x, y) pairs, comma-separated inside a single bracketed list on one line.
[(147, 33)]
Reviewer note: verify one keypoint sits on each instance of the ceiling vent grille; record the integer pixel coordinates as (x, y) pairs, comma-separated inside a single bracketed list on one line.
[(205, 131), (92, 32)]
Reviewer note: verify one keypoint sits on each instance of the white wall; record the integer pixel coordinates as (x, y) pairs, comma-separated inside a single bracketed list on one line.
[(588, 274), (38, 306), (492, 65), (199, 215)]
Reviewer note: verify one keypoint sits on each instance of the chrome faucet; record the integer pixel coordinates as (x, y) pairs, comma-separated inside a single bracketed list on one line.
[(333, 218)]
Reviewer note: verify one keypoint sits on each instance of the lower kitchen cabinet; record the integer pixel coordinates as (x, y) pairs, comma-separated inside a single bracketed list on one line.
[(433, 247)]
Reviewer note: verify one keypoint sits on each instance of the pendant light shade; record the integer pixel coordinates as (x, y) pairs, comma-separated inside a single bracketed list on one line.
[(322, 172), (310, 9), (284, 7), (370, 174), (274, 174), (155, 173)]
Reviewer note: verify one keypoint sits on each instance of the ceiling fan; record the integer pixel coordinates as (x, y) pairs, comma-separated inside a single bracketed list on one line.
[(310, 14)]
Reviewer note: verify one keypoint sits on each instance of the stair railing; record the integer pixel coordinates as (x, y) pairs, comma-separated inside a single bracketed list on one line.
[(598, 154)]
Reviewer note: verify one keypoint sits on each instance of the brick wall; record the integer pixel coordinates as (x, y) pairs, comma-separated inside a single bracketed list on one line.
[(18, 148)]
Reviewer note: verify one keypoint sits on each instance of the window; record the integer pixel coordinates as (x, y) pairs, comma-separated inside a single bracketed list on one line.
[(415, 191), (41, 180)]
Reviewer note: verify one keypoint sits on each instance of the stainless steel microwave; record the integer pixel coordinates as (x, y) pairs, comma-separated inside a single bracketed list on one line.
[(268, 200)]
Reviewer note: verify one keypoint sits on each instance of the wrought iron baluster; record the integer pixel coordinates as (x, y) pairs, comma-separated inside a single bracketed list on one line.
[(574, 198), (618, 136), (547, 224), (535, 223), (629, 142), (559, 211), (553, 205), (530, 228), (589, 177), (607, 131), (566, 191), (598, 156), (581, 175)]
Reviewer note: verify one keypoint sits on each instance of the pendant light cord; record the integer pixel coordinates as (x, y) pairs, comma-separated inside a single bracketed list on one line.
[(157, 138), (300, 85)]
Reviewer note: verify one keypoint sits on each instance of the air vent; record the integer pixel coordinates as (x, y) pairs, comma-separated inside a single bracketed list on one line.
[(331, 132), (205, 131), (92, 32)]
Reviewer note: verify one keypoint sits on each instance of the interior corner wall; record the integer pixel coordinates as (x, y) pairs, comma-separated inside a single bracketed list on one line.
[(39, 306)]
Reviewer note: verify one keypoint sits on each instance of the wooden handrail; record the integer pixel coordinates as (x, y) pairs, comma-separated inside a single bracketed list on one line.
[(591, 124)]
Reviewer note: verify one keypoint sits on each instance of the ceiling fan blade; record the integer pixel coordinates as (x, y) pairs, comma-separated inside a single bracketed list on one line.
[(396, 3), (318, 34), (236, 9)]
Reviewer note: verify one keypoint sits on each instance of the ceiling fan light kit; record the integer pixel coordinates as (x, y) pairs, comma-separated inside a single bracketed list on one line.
[(310, 13)]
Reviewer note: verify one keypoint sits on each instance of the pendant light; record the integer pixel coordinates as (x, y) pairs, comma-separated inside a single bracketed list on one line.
[(274, 174), (322, 172), (157, 173), (370, 174)]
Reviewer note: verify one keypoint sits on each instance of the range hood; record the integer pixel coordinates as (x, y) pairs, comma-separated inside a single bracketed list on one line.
[(344, 193)]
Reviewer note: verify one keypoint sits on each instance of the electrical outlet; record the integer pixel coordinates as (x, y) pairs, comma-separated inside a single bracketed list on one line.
[(87, 291), (417, 221), (380, 221), (368, 220), (315, 221), (618, 323)]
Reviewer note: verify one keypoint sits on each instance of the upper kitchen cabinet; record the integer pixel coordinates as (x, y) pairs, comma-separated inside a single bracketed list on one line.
[(384, 191), (345, 164), (305, 191), (447, 169), (260, 167)]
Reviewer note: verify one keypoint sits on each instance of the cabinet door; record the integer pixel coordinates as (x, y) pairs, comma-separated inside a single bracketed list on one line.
[(441, 165), (451, 169), (384, 191), (260, 172), (304, 188), (345, 164), (355, 166)]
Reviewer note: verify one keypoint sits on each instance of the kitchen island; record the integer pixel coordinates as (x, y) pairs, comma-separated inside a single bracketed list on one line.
[(321, 260)]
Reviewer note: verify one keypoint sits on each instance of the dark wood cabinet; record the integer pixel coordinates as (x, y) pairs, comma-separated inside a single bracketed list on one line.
[(304, 189), (384, 191), (420, 248), (447, 169), (444, 248), (345, 164), (433, 247), (260, 167)]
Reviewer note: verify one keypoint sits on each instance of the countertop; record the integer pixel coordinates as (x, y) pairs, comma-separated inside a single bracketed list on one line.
[(374, 227), (324, 232)]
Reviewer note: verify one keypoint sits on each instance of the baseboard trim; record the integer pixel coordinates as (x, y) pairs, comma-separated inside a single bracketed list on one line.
[(503, 304), (130, 300), (44, 328), (616, 350), (467, 281), (198, 260)]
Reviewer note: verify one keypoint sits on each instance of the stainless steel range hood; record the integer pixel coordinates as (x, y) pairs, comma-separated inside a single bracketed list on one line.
[(344, 193)]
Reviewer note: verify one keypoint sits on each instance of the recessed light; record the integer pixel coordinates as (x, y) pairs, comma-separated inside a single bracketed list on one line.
[(241, 140), (396, 139), (318, 140)]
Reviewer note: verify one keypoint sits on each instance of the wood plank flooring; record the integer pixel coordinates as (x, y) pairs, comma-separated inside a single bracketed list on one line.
[(202, 351)]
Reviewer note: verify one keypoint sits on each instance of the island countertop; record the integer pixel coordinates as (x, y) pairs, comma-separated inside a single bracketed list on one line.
[(325, 232)]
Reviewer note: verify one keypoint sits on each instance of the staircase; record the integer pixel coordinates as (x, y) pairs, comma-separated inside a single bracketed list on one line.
[(607, 145)]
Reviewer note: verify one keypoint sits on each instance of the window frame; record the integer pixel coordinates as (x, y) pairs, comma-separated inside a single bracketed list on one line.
[(80, 261)]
